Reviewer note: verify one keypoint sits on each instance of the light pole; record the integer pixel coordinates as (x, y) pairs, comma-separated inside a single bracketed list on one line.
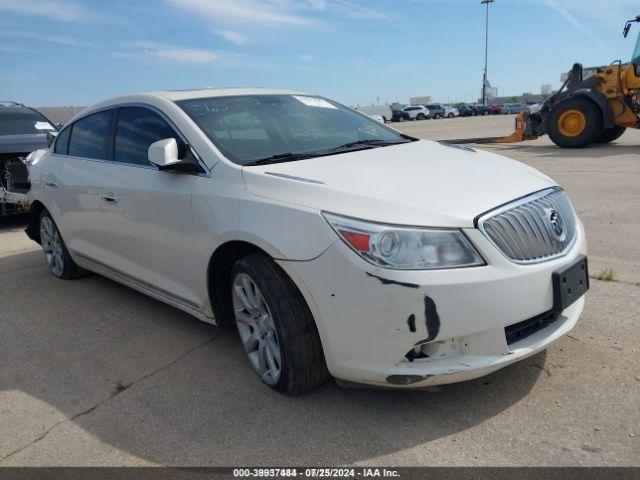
[(486, 51)]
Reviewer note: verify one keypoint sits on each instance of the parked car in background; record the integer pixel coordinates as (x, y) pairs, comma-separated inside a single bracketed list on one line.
[(451, 112), (336, 245), (509, 108), (435, 110), (466, 111), (417, 112), (484, 109), (22, 130), (495, 108), (400, 116)]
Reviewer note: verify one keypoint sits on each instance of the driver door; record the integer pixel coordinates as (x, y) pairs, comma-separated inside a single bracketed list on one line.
[(146, 213)]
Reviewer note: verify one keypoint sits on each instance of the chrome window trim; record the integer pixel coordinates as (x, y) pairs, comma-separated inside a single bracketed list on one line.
[(164, 116), (515, 204)]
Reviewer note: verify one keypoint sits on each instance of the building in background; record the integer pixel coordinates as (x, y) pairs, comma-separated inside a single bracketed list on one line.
[(420, 100)]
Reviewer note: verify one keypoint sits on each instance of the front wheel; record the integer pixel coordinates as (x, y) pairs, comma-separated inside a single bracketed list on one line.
[(450, 115), (55, 251), (276, 328), (421, 117), (575, 123), (611, 134)]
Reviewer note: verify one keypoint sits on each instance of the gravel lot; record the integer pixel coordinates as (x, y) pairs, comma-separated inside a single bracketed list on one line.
[(93, 373)]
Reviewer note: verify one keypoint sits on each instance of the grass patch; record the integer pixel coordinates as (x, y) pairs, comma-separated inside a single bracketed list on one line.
[(606, 275)]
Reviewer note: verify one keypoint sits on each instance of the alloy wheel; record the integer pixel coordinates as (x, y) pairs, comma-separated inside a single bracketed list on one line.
[(52, 246), (257, 329)]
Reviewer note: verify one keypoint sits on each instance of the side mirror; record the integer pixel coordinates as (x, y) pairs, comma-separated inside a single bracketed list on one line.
[(51, 136), (164, 153)]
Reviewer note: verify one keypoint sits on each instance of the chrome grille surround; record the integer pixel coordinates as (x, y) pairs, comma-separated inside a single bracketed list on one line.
[(523, 230)]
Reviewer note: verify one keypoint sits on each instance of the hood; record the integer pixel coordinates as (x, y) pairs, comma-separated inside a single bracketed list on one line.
[(420, 183), (22, 144)]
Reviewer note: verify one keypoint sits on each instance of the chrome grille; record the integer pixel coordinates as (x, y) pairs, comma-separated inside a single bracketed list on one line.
[(533, 229)]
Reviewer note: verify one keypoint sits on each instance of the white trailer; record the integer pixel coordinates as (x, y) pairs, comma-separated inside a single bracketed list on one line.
[(383, 110)]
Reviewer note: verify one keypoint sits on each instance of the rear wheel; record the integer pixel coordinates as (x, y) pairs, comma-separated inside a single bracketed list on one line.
[(575, 123), (437, 116), (277, 329), (450, 115), (55, 251), (611, 134), (421, 116)]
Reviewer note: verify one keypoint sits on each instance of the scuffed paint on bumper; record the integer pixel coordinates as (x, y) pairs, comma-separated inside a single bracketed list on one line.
[(369, 318)]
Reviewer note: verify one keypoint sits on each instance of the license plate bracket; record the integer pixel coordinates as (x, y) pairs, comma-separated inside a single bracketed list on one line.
[(570, 283)]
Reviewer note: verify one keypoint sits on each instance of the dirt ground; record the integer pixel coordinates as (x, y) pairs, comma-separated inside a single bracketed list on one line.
[(93, 373)]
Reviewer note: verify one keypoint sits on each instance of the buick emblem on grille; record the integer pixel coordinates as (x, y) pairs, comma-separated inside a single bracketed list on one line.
[(557, 224)]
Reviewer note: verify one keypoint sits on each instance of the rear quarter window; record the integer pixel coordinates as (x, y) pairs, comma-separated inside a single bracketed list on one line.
[(62, 142)]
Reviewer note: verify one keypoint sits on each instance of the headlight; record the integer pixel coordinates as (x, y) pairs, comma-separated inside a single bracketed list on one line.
[(406, 248)]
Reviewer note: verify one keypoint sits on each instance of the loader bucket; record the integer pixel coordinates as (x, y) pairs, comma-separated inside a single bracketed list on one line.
[(519, 134)]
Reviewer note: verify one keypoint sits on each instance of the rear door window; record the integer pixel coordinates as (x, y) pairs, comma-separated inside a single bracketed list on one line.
[(89, 134), (136, 129)]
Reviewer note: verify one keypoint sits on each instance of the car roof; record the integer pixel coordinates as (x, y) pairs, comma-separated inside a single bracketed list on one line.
[(20, 109), (219, 92)]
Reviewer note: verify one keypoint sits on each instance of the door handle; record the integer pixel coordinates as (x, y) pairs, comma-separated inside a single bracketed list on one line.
[(109, 197), (51, 184)]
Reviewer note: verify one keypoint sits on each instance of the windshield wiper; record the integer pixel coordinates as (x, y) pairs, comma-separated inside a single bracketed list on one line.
[(367, 143), (292, 157), (280, 158)]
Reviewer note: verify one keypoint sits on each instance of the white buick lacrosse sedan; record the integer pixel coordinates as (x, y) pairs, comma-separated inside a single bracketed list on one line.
[(337, 245)]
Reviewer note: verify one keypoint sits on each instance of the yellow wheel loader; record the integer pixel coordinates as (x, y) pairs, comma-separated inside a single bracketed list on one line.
[(597, 109)]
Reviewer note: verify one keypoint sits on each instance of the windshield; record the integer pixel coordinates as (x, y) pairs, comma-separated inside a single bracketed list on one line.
[(23, 123), (251, 128)]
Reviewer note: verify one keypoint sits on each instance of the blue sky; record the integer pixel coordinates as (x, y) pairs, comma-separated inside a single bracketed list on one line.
[(57, 52)]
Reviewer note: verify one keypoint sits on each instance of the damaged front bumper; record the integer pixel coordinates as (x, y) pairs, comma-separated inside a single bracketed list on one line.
[(420, 328)]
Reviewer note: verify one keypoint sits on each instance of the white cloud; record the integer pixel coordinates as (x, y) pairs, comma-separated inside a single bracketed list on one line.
[(234, 37), (188, 55), (58, 39), (241, 10), (12, 49), (573, 20), (356, 11), (58, 10), (168, 53), (611, 13)]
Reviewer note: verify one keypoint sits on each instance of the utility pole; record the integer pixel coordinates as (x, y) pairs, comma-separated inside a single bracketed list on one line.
[(486, 51)]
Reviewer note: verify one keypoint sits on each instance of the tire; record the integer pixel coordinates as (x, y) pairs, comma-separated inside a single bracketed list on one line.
[(575, 123), (437, 116), (610, 134), (450, 115), (421, 117), (55, 250), (401, 119), (276, 327)]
